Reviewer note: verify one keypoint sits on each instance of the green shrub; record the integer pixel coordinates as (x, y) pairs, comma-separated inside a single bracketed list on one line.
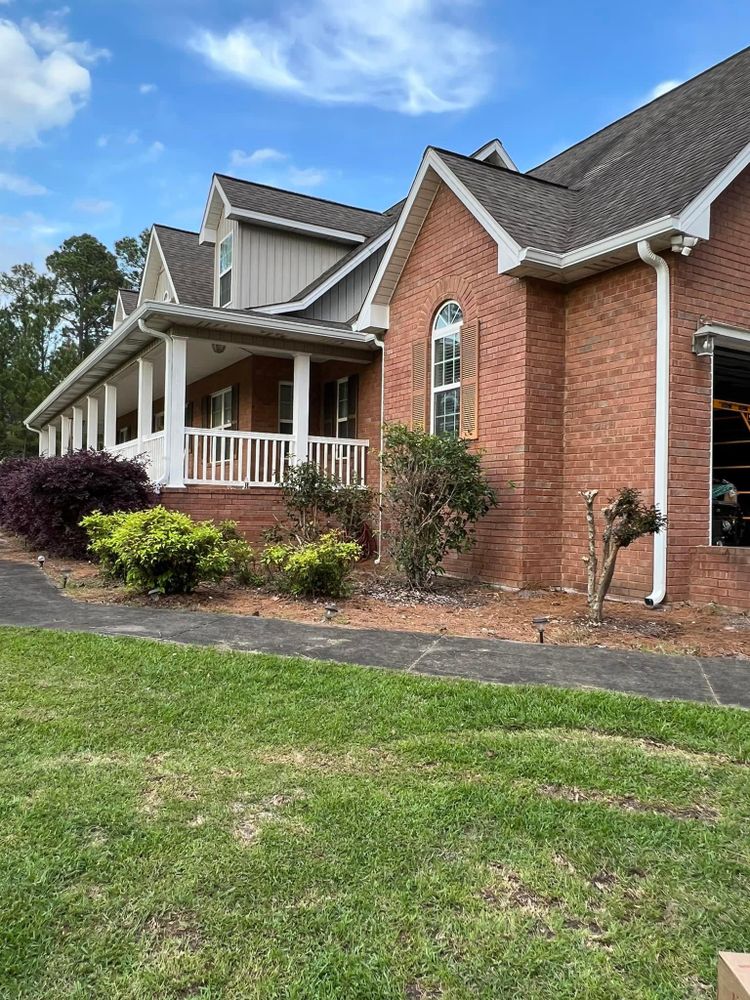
[(316, 503), (243, 562), (158, 549), (313, 569), (435, 493)]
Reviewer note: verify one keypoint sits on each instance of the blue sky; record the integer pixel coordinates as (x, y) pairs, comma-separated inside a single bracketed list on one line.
[(113, 116)]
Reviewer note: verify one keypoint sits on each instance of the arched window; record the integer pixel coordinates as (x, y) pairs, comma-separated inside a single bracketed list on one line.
[(446, 369)]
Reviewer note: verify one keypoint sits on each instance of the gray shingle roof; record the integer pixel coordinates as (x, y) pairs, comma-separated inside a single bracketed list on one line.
[(657, 159), (129, 300), (190, 264), (300, 207)]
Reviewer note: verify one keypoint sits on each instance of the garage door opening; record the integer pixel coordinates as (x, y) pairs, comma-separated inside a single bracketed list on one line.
[(730, 503)]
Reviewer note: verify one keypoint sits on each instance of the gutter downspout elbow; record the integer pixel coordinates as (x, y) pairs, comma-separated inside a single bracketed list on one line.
[(661, 419), (381, 345)]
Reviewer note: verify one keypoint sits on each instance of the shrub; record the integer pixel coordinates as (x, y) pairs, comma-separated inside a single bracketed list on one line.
[(158, 549), (243, 563), (316, 503), (435, 493), (313, 569), (44, 499), (626, 519)]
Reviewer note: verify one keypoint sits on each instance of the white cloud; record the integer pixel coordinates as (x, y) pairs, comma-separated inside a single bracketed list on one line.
[(155, 149), (44, 79), (21, 185), (147, 88), (413, 56), (93, 206), (271, 166), (661, 89)]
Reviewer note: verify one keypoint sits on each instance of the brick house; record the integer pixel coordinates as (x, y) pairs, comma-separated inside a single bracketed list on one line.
[(585, 324)]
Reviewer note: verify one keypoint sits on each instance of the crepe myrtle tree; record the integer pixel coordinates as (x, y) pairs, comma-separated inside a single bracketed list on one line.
[(626, 519), (435, 493)]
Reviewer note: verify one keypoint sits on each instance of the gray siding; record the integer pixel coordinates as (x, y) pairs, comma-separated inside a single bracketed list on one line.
[(225, 227), (345, 299), (276, 265)]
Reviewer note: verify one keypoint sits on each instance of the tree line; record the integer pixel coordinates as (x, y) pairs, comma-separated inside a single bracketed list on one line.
[(51, 319)]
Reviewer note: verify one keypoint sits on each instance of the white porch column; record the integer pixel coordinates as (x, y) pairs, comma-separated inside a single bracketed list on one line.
[(110, 416), (175, 380), (51, 440), (301, 408), (44, 442), (77, 428), (64, 434), (145, 398), (92, 422)]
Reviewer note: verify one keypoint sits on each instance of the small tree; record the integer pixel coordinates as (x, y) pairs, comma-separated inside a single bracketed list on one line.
[(436, 491), (626, 519)]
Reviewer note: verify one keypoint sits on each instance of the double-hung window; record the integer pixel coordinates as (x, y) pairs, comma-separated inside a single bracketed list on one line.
[(446, 370), (286, 407), (225, 270), (221, 420)]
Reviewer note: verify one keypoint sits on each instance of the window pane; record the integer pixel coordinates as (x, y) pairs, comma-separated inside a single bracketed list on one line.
[(446, 411), (225, 288), (225, 254), (447, 360), (286, 403), (343, 411), (448, 315)]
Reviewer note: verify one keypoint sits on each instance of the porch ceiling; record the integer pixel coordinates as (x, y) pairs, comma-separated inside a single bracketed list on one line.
[(242, 333)]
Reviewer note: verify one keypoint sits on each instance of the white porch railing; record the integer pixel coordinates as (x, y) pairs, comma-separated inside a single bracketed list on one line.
[(152, 447), (344, 458), (236, 458)]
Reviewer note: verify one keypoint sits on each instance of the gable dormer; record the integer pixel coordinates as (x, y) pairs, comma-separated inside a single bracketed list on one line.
[(126, 302), (495, 153), (156, 283)]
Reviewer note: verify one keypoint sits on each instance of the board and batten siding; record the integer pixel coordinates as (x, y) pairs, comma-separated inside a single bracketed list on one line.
[(345, 299), (225, 227)]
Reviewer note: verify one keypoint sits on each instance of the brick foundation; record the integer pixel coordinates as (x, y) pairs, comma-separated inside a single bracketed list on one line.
[(255, 510)]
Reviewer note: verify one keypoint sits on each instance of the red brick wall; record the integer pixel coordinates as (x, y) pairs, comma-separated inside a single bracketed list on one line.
[(610, 385), (721, 576), (255, 510)]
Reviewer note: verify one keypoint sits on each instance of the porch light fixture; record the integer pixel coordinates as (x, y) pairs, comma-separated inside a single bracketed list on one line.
[(218, 348), (539, 624), (703, 345)]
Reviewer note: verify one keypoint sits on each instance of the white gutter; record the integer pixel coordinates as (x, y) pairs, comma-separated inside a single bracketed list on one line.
[(661, 420), (381, 345)]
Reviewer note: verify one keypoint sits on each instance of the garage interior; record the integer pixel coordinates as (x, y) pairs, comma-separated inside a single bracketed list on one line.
[(730, 509)]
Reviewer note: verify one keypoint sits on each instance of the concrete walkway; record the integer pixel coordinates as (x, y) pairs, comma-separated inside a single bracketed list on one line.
[(27, 597)]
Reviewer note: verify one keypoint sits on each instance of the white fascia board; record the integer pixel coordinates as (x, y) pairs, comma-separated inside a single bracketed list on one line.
[(496, 147), (610, 244), (697, 212), (155, 236), (331, 281), (146, 267), (508, 249), (207, 233), (279, 222)]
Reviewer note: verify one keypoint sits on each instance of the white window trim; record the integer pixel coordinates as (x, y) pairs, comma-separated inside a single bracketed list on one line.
[(227, 270), (444, 331), (339, 419), (289, 385), (220, 446)]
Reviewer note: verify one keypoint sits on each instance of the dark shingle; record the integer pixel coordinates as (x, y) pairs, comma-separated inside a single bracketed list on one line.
[(129, 300), (657, 159), (190, 264), (300, 207)]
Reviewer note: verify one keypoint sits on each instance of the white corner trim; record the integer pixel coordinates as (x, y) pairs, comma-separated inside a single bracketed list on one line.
[(325, 286), (695, 211), (207, 234), (154, 241), (496, 148), (507, 246), (166, 267)]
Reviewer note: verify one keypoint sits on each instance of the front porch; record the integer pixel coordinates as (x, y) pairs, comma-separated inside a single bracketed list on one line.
[(216, 408)]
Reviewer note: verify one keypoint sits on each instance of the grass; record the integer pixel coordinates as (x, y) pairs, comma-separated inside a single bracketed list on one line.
[(177, 822)]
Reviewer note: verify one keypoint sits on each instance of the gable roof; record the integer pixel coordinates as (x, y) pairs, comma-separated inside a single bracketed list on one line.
[(190, 265), (276, 206), (128, 299), (658, 158)]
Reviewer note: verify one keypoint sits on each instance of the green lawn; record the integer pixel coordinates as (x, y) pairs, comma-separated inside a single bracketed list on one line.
[(185, 823)]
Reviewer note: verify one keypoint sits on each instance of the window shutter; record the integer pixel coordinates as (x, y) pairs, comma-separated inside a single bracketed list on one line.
[(351, 424), (329, 409), (206, 411), (236, 406), (418, 384), (469, 419)]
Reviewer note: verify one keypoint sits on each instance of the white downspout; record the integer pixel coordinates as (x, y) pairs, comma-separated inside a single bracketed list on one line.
[(661, 421), (381, 345)]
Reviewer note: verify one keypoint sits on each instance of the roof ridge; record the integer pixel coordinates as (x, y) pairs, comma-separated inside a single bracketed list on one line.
[(299, 194), (175, 229), (506, 170), (637, 110)]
